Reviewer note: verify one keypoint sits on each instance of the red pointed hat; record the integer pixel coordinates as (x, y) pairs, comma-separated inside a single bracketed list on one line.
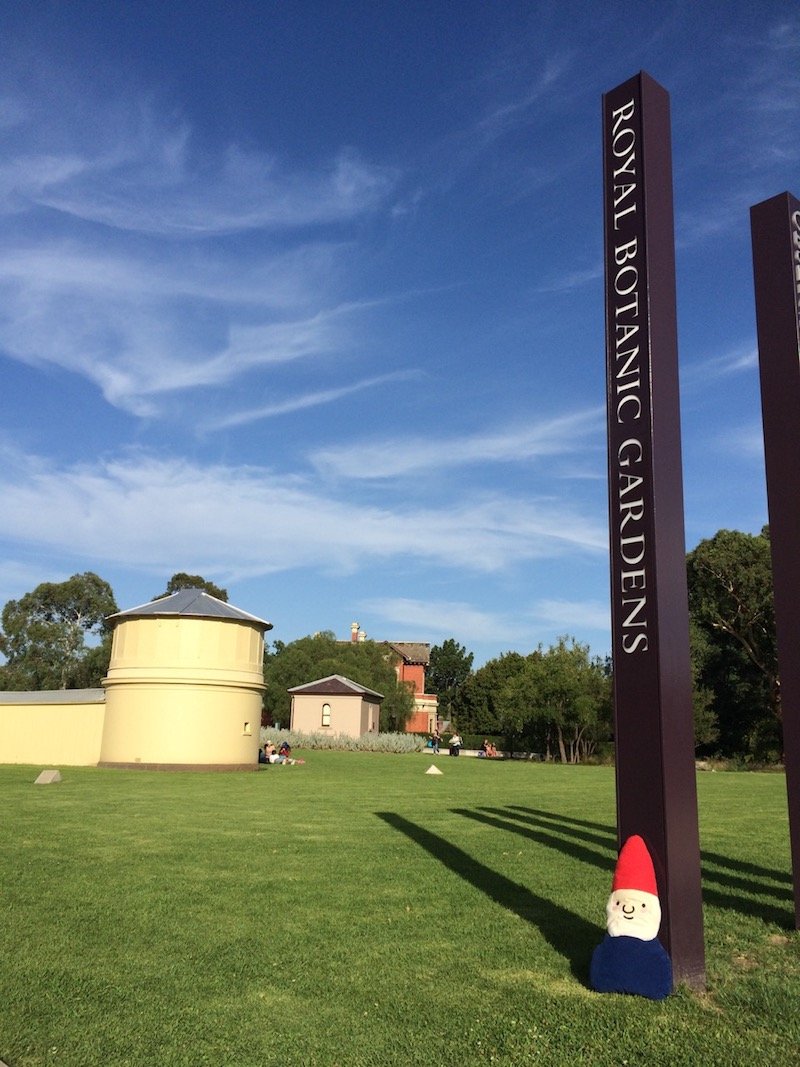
[(634, 868)]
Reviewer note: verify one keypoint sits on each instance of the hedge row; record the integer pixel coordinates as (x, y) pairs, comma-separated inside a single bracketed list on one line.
[(397, 743)]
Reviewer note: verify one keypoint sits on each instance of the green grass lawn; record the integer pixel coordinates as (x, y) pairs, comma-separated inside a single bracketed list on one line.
[(355, 911)]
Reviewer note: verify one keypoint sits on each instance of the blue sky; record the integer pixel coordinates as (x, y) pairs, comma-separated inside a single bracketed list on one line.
[(307, 298)]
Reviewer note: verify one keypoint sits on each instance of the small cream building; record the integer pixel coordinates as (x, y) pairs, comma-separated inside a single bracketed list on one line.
[(183, 692), (335, 705)]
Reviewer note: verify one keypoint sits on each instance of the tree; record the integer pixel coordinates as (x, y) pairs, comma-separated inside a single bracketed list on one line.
[(181, 580), (516, 720), (481, 704), (730, 600), (573, 696), (309, 658), (555, 701), (562, 699), (44, 635), (706, 726), (449, 667)]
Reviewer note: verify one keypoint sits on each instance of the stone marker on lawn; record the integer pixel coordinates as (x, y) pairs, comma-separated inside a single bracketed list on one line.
[(48, 777)]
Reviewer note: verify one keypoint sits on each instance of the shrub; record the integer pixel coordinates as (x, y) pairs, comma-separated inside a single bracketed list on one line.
[(476, 740), (397, 743)]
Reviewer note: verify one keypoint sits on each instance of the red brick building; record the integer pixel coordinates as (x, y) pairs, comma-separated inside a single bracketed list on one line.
[(414, 657)]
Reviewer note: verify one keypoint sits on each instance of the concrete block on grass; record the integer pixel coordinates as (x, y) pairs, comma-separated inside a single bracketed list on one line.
[(48, 777)]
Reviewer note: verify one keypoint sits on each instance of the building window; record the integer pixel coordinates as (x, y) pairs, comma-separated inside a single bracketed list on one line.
[(326, 714)]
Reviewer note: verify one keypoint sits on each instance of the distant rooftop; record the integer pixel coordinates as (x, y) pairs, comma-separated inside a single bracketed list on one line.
[(191, 603), (412, 651), (335, 685)]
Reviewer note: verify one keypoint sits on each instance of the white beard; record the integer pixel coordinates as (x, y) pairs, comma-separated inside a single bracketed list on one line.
[(632, 913)]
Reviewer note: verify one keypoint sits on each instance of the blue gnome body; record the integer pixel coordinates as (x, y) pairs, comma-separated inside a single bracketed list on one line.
[(630, 965)]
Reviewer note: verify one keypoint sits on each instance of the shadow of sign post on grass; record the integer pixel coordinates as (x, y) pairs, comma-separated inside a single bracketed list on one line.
[(569, 934)]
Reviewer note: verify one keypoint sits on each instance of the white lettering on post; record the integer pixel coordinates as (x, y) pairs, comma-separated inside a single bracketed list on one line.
[(628, 387), (623, 147)]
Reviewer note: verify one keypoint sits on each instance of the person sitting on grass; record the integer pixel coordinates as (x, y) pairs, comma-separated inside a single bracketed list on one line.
[(270, 755), (285, 755)]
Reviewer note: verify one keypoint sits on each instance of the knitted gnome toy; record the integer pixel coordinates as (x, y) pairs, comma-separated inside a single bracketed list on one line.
[(631, 959)]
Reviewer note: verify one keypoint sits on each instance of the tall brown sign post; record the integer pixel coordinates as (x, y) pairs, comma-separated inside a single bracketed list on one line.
[(775, 228), (654, 728)]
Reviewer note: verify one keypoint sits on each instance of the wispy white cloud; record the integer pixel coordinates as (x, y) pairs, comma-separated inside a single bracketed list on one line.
[(501, 117), (741, 360), (715, 211), (135, 355), (251, 521), (750, 122), (502, 100), (439, 619), (275, 280), (139, 328), (12, 112), (307, 400), (25, 179), (572, 616), (771, 91), (442, 619), (247, 192), (561, 436), (17, 577), (140, 169), (574, 280), (742, 441), (145, 313)]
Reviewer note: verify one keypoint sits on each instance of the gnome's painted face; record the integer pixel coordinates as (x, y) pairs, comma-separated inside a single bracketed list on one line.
[(633, 913)]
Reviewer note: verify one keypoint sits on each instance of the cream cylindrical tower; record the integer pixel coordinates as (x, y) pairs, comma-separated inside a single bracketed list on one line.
[(184, 686)]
